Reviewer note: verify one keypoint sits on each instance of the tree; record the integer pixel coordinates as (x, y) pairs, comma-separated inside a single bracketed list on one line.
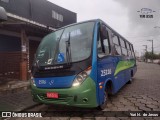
[(149, 55)]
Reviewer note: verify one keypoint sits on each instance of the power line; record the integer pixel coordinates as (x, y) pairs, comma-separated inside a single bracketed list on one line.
[(141, 36), (138, 41), (156, 47)]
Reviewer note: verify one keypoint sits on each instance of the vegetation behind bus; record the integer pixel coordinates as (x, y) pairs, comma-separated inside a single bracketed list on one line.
[(149, 55)]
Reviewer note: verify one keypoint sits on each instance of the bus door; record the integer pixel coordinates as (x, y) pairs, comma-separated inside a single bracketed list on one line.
[(105, 64)]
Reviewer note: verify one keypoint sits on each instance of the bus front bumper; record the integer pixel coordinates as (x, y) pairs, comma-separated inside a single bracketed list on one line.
[(80, 96)]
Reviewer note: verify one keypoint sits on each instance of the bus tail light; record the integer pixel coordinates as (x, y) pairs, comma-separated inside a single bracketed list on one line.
[(81, 77)]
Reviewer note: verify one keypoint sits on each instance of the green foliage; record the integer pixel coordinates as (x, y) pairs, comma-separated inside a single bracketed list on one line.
[(149, 55)]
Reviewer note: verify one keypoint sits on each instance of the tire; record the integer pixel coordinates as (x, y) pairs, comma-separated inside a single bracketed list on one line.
[(104, 104), (130, 81)]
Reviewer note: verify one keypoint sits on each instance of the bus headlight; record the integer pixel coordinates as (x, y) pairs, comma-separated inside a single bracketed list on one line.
[(81, 77), (33, 81)]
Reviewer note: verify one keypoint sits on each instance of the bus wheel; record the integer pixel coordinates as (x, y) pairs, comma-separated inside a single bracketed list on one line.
[(130, 81), (104, 104)]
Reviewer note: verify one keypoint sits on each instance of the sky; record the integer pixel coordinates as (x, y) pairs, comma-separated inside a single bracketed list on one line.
[(123, 16)]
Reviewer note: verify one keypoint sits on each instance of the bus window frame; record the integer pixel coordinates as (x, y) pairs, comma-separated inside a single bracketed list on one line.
[(114, 44), (122, 47), (128, 49), (128, 46), (132, 50), (99, 37)]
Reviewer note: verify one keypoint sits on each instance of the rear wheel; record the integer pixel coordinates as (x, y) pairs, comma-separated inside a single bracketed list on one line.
[(104, 104), (130, 81)]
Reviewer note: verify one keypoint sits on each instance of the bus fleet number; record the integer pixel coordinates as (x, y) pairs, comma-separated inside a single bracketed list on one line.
[(106, 72)]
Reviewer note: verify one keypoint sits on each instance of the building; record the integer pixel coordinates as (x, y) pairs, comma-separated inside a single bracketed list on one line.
[(28, 21)]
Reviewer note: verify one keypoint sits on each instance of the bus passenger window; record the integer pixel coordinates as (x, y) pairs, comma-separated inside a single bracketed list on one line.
[(132, 51), (123, 46), (106, 46), (103, 42), (124, 51), (99, 49), (128, 49), (117, 48)]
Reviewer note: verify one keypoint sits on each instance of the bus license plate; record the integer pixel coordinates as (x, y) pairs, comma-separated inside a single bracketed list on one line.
[(52, 95)]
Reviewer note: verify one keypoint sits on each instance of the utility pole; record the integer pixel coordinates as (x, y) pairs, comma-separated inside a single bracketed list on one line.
[(152, 48), (146, 47), (152, 45), (145, 53)]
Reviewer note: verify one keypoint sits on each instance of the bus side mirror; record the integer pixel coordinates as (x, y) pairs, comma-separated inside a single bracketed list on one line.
[(3, 14)]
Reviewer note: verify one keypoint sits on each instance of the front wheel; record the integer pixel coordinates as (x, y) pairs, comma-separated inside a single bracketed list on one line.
[(105, 99)]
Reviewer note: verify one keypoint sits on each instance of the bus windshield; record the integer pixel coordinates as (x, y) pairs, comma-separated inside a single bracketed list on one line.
[(70, 44)]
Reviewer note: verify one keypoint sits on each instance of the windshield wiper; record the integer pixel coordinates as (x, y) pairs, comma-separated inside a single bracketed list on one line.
[(57, 47), (35, 65), (36, 61), (68, 50)]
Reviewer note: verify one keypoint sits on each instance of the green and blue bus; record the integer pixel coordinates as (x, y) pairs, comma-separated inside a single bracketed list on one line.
[(80, 64)]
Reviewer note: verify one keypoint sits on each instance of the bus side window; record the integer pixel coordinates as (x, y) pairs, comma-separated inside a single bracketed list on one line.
[(128, 49), (103, 42), (117, 48), (132, 51), (123, 46)]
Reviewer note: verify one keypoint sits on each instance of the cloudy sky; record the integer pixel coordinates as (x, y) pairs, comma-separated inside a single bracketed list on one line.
[(122, 16)]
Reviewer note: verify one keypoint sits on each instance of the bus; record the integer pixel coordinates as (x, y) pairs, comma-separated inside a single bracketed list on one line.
[(81, 64)]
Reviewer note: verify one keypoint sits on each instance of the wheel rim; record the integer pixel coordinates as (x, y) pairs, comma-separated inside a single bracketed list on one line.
[(103, 106), (104, 100), (105, 97)]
